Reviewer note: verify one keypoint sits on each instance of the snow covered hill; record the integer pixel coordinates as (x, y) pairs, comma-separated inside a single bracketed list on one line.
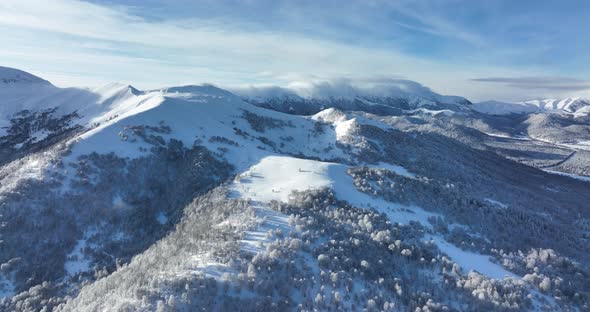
[(380, 197)]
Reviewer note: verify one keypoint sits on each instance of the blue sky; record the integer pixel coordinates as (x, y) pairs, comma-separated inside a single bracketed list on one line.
[(507, 50)]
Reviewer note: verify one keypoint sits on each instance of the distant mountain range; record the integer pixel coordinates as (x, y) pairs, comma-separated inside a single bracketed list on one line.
[(578, 106)]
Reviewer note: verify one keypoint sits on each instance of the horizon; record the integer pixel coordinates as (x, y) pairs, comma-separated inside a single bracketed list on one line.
[(324, 89), (485, 51)]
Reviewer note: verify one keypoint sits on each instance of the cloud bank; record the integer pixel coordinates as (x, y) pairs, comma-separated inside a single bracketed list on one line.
[(338, 88)]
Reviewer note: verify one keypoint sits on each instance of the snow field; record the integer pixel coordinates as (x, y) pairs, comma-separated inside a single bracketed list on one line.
[(275, 177)]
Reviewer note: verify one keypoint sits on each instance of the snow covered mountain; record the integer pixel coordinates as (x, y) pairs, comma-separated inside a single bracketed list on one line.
[(570, 105), (576, 106), (382, 97), (13, 76), (195, 198), (563, 123)]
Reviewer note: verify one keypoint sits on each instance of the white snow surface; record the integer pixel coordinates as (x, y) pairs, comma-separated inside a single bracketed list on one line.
[(330, 115), (11, 76), (93, 105), (343, 126), (33, 167), (470, 261), (200, 115), (571, 104), (275, 177)]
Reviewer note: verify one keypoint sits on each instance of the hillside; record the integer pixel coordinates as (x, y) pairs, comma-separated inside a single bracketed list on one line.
[(197, 198)]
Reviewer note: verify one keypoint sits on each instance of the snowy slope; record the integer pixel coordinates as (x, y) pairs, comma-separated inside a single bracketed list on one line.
[(203, 113), (276, 177), (344, 127), (13, 76), (570, 105), (272, 155), (22, 91)]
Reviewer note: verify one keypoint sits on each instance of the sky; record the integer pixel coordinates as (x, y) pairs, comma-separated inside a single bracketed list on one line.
[(497, 49)]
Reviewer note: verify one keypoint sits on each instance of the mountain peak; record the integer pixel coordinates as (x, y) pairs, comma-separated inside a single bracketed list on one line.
[(204, 89), (114, 88), (10, 75)]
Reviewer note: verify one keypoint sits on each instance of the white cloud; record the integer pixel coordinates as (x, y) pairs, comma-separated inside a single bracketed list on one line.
[(78, 43), (188, 44), (423, 12)]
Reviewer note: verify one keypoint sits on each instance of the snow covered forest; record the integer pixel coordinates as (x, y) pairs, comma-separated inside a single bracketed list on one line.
[(195, 198)]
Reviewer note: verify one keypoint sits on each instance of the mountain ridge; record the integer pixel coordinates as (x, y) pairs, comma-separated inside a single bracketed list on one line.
[(10, 75), (567, 105), (195, 198)]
